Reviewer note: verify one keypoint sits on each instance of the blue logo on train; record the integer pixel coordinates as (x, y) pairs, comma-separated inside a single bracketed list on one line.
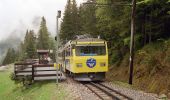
[(91, 62)]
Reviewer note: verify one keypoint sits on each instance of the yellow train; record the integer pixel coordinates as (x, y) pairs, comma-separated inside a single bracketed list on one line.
[(86, 59)]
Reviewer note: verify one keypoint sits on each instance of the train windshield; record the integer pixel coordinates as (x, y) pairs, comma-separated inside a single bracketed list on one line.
[(90, 50)]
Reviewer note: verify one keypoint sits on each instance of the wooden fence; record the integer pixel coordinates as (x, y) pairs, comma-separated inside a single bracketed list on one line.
[(35, 70)]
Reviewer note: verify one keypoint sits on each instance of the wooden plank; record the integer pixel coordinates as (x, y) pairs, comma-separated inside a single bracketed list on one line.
[(46, 75), (23, 63), (23, 71), (43, 70), (22, 68), (23, 74), (43, 65)]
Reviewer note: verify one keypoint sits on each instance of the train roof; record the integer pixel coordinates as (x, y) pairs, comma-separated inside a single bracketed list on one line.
[(84, 41), (88, 39)]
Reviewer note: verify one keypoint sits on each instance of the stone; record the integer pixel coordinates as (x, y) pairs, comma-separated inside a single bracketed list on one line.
[(169, 95), (163, 96)]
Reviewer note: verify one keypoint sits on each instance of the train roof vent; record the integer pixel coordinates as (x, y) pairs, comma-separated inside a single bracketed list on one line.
[(83, 36)]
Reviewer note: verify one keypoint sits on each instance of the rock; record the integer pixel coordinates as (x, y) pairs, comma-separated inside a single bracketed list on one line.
[(169, 95), (163, 96)]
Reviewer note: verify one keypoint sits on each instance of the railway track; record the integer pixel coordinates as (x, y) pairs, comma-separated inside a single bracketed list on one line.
[(106, 93)]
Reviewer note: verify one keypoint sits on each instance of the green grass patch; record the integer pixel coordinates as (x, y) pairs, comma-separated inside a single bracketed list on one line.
[(44, 90)]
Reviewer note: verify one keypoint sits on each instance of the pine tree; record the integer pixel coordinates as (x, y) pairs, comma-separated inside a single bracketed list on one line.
[(71, 23), (31, 45), (21, 51), (88, 18), (10, 57), (52, 47), (66, 25), (43, 36), (75, 17), (27, 49)]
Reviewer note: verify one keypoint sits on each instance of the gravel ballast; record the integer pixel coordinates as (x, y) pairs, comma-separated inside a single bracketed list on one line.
[(78, 91)]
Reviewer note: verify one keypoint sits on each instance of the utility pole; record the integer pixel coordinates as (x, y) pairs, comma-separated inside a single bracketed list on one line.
[(58, 42), (131, 59)]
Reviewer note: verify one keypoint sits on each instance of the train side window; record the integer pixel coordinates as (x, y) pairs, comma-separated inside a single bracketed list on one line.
[(67, 52), (63, 54)]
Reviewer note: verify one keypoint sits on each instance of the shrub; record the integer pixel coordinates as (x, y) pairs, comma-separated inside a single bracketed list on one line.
[(13, 76), (25, 80)]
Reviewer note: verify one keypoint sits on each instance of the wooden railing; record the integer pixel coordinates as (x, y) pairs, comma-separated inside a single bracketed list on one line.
[(34, 70)]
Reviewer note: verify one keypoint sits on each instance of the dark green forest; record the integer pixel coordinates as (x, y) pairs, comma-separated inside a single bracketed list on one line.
[(111, 19)]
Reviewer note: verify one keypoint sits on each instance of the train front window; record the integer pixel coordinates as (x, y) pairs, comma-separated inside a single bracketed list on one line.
[(90, 50)]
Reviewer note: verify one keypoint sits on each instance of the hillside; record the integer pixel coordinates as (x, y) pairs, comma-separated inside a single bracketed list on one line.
[(151, 68)]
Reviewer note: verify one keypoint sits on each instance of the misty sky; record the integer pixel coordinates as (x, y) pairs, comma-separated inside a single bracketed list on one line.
[(18, 15)]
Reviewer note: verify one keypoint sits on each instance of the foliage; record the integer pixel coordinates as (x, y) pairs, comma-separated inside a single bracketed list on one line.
[(70, 24), (52, 46), (43, 36), (10, 56), (88, 18), (153, 19), (30, 44)]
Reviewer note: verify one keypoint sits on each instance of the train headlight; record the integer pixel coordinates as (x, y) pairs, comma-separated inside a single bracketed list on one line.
[(102, 64), (79, 65)]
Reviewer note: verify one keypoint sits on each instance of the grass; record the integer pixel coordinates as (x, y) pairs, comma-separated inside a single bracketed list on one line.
[(38, 91)]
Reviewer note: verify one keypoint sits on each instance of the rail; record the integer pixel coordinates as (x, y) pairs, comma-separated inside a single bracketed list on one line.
[(104, 92)]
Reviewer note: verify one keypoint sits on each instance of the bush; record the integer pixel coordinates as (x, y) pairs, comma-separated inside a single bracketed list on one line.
[(116, 56), (151, 62), (13, 76), (25, 80)]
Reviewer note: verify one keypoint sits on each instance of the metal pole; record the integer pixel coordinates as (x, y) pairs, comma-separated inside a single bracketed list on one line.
[(58, 41), (132, 41), (57, 50)]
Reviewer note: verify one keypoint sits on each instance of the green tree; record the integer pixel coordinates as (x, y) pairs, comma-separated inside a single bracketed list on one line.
[(31, 45), (66, 25), (27, 49), (88, 18), (21, 51), (10, 56), (71, 23), (43, 36), (52, 47), (153, 19), (75, 17)]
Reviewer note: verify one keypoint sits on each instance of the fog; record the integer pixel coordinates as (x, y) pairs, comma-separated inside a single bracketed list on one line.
[(16, 16), (19, 15)]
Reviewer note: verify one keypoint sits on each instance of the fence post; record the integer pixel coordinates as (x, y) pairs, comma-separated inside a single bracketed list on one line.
[(60, 71), (15, 70), (32, 72)]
